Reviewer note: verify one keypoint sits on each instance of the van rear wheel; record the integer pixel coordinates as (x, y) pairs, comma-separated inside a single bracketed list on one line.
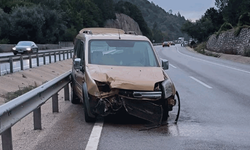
[(74, 98)]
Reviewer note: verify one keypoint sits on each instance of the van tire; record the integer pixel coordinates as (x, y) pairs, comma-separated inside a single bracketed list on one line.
[(86, 106), (74, 98)]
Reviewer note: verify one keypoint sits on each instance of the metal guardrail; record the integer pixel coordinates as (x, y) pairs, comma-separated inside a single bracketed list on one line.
[(21, 58), (18, 108)]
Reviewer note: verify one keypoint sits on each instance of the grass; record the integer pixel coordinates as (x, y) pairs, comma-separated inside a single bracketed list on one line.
[(22, 90), (201, 48), (239, 28)]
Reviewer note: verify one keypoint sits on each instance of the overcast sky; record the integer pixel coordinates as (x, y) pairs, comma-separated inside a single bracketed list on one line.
[(190, 9)]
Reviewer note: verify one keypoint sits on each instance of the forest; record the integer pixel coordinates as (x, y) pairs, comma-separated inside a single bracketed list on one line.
[(51, 21), (165, 26), (229, 14)]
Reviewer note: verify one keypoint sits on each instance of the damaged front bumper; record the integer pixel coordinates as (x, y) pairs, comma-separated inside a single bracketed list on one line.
[(145, 105), (144, 109)]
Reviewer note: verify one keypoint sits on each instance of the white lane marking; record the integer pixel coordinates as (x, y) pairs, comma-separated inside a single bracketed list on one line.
[(202, 83), (94, 136), (172, 66), (214, 63)]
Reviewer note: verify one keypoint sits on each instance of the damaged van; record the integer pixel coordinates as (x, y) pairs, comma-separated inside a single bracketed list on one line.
[(113, 71)]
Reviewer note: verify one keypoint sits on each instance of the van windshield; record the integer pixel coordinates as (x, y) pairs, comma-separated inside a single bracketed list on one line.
[(122, 53)]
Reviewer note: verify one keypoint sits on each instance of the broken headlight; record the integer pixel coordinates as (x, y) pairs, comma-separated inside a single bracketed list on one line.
[(167, 88), (103, 87)]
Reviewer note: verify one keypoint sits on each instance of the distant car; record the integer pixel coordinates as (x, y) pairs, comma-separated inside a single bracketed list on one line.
[(25, 47), (165, 43)]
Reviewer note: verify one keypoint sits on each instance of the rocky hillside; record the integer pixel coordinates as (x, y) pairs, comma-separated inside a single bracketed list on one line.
[(124, 22), (228, 43), (156, 17)]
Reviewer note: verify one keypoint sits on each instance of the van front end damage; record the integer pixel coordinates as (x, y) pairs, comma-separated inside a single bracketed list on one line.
[(152, 106), (149, 97)]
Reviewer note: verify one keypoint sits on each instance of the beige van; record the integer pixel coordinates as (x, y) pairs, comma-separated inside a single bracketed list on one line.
[(113, 71)]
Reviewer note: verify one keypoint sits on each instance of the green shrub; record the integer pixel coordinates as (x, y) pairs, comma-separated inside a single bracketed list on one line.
[(22, 90), (201, 47), (244, 19), (239, 28), (4, 41), (224, 27), (69, 34)]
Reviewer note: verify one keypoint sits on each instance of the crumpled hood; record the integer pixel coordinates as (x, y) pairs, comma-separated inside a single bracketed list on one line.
[(123, 77)]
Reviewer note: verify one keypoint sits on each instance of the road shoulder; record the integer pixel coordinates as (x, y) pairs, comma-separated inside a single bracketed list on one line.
[(234, 58)]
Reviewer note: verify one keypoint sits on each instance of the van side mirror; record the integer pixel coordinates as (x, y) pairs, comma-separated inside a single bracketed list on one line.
[(77, 64), (165, 64)]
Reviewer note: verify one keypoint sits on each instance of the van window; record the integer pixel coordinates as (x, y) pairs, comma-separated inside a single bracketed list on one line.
[(122, 53), (79, 50)]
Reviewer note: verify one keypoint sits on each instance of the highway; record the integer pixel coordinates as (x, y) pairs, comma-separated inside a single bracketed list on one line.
[(215, 102)]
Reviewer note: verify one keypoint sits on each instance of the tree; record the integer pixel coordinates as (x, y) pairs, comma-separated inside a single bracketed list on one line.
[(215, 17), (8, 5), (107, 9), (234, 9), (157, 35), (221, 4), (53, 26), (189, 28), (4, 27), (244, 19), (36, 23), (26, 24)]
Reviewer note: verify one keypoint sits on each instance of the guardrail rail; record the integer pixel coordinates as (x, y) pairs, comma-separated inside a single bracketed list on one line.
[(18, 108), (21, 58)]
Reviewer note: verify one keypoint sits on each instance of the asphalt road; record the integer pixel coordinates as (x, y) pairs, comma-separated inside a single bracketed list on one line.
[(215, 102)]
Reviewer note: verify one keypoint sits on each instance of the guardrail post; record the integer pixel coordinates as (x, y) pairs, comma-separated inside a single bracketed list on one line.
[(68, 54), (66, 92), (30, 61), (44, 59), (37, 60), (49, 57), (7, 140), (55, 103), (37, 119), (21, 62), (59, 55), (11, 65), (63, 55), (54, 56)]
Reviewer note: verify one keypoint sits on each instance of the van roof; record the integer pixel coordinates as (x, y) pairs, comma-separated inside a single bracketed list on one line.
[(101, 30)]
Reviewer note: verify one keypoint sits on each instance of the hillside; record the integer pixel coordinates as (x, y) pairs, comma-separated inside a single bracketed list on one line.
[(169, 24), (54, 21)]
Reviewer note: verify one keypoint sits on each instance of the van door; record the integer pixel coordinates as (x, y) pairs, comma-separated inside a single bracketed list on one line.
[(79, 73)]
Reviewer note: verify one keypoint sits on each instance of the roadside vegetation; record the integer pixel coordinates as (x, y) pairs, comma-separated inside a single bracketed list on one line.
[(22, 90), (60, 20), (230, 14), (50, 21), (201, 48)]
